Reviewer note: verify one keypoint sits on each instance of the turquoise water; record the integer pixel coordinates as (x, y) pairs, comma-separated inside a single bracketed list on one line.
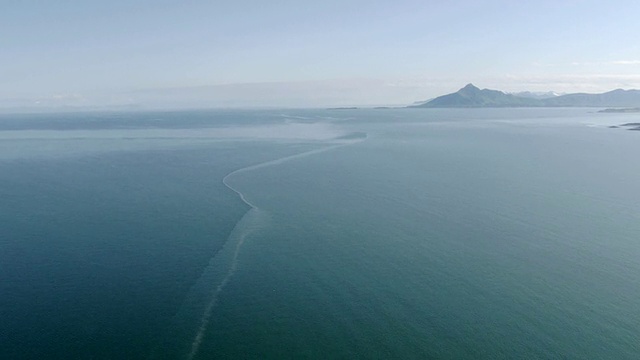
[(486, 233)]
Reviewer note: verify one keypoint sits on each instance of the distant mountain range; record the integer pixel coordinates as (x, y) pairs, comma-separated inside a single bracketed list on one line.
[(537, 95), (471, 96)]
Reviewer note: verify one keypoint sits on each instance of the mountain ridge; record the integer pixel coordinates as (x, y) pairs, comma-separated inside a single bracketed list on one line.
[(471, 96)]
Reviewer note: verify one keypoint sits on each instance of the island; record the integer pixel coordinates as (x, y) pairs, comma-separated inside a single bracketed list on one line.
[(631, 126), (621, 110), (628, 126)]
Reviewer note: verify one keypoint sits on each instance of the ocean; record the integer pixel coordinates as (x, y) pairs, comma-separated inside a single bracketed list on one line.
[(355, 233)]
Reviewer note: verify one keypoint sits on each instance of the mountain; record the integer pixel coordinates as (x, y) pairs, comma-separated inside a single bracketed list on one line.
[(471, 96), (536, 95), (615, 98)]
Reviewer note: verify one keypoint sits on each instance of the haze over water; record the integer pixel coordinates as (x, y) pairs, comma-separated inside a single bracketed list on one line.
[(409, 233)]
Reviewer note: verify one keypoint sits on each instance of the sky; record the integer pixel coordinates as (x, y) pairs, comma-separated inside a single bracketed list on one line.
[(256, 53)]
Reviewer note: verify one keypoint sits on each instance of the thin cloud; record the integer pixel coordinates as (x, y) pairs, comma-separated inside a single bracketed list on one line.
[(614, 62), (626, 62), (565, 83)]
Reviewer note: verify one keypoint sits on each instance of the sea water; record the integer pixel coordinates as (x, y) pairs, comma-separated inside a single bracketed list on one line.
[(395, 233)]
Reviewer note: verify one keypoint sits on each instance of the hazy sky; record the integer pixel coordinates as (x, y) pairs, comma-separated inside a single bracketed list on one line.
[(302, 53)]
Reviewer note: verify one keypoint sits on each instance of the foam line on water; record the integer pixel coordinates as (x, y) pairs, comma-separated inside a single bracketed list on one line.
[(251, 215), (273, 162), (204, 323)]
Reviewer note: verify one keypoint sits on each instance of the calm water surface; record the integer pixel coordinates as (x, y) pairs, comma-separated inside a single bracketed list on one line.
[(486, 233)]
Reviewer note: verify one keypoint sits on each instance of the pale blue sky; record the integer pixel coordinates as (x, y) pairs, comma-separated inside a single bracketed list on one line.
[(300, 53)]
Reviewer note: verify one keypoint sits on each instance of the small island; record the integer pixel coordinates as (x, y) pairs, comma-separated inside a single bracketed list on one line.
[(631, 126), (621, 110), (628, 126)]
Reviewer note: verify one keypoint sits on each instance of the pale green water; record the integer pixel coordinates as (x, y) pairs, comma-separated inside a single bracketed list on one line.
[(510, 233)]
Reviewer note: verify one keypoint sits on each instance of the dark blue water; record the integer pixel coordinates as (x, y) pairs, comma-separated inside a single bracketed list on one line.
[(509, 233)]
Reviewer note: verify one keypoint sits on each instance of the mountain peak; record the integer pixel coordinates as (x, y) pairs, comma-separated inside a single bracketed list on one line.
[(470, 86)]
